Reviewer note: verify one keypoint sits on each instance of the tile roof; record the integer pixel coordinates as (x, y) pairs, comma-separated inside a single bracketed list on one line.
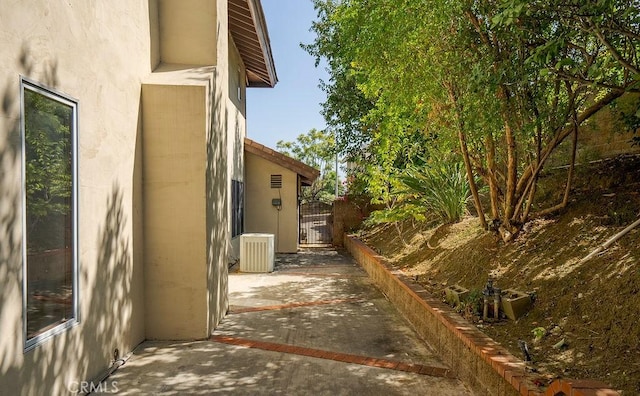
[(308, 173)]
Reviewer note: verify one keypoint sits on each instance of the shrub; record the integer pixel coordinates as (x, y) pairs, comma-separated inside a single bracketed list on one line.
[(441, 188)]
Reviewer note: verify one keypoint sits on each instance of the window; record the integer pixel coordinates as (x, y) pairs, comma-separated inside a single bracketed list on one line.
[(239, 85), (237, 208), (50, 264)]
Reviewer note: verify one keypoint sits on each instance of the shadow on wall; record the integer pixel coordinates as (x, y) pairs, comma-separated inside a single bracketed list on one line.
[(81, 352), (111, 310), (217, 201), (217, 208), (11, 342), (238, 158)]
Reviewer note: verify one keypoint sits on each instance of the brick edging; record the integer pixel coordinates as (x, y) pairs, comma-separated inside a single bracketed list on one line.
[(477, 359), (432, 371)]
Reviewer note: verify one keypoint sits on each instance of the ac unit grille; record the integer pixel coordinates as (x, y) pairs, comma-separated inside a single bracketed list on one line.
[(257, 252)]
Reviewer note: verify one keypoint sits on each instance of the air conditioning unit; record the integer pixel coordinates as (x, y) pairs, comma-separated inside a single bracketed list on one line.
[(257, 253)]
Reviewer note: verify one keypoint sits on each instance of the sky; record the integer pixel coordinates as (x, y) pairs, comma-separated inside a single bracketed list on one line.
[(293, 106)]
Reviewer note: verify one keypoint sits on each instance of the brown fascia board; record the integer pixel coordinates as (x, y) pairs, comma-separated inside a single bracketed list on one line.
[(264, 73), (308, 173), (265, 42)]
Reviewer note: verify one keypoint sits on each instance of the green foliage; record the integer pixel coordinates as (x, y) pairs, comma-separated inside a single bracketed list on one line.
[(627, 113), (506, 79), (472, 305), (538, 333), (427, 191), (396, 213), (346, 105), (371, 128), (440, 188), (318, 150), (315, 148)]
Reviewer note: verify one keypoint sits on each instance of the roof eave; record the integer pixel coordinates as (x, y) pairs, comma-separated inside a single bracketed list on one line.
[(263, 33), (254, 45), (308, 174)]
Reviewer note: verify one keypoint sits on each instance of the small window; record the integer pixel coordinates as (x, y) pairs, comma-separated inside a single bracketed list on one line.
[(237, 208), (50, 259), (276, 181), (239, 85)]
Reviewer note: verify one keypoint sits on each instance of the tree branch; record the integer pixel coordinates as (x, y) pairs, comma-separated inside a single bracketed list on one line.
[(614, 52)]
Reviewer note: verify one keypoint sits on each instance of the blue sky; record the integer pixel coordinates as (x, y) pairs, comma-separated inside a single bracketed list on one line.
[(293, 106)]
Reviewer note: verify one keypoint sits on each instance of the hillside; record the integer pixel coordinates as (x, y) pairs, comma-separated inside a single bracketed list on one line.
[(594, 306)]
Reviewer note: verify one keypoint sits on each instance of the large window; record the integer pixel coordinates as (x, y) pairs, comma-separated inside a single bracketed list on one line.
[(237, 208), (49, 139)]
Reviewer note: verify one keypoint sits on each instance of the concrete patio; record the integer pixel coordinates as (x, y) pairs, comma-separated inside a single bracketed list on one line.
[(316, 325)]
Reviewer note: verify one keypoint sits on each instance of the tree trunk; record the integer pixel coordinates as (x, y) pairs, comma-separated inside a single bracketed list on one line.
[(567, 189), (472, 182), (465, 155), (491, 170), (512, 173), (530, 174)]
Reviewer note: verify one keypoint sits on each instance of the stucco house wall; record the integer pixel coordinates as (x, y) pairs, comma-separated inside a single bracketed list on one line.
[(175, 158), (160, 139), (236, 128), (95, 52), (187, 131), (260, 215)]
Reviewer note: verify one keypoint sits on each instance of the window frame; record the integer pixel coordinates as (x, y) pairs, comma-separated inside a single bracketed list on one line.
[(237, 208), (240, 85), (33, 86)]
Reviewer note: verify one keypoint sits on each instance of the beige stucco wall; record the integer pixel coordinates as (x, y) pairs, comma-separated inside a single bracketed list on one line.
[(191, 207), (95, 52), (236, 128), (175, 119), (217, 179), (188, 33), (260, 215), (102, 54)]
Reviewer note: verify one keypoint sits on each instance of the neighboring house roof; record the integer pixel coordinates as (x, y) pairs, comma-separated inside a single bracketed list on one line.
[(249, 31), (308, 173)]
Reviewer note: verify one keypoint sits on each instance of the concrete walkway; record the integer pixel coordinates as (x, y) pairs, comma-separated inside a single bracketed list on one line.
[(315, 326)]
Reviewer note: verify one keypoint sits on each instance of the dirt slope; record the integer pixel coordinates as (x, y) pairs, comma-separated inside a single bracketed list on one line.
[(594, 307)]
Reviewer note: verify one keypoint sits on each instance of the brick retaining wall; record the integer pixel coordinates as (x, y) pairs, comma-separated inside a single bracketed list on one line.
[(478, 361)]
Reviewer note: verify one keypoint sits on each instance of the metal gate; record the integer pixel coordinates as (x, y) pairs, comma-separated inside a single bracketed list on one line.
[(315, 223)]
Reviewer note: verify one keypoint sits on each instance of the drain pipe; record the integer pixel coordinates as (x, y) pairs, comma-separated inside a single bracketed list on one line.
[(608, 243), (117, 363)]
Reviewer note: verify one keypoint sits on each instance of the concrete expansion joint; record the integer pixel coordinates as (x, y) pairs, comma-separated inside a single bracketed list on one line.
[(432, 371)]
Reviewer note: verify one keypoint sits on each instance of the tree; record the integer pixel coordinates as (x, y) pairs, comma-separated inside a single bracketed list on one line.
[(503, 83), (346, 105), (566, 70), (380, 139), (317, 149)]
